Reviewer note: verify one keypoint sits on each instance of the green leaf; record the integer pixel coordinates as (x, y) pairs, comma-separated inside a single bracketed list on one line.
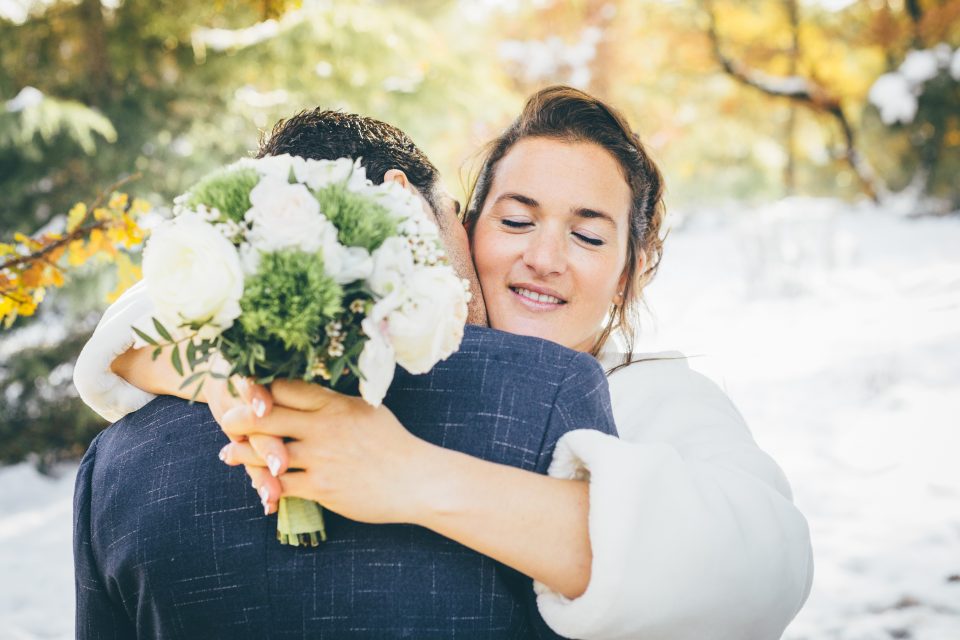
[(337, 371), (232, 389), (193, 378), (175, 359), (156, 353), (192, 355), (162, 331), (146, 337)]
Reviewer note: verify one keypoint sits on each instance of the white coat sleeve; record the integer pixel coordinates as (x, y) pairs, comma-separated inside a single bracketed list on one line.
[(693, 528), (99, 387)]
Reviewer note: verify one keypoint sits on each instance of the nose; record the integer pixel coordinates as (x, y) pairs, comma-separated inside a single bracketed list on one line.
[(546, 253)]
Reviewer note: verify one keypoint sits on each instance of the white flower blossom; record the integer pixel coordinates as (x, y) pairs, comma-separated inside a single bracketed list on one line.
[(277, 167), (356, 264), (318, 174), (193, 274), (392, 264), (376, 363), (286, 216), (428, 326)]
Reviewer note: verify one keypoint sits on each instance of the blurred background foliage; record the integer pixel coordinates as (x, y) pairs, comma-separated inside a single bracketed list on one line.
[(740, 101)]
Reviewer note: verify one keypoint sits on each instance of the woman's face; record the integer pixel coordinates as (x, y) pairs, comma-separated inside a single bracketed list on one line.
[(550, 243)]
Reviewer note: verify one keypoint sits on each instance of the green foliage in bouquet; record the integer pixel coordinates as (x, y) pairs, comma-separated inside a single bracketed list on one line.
[(360, 222), (289, 299), (227, 190)]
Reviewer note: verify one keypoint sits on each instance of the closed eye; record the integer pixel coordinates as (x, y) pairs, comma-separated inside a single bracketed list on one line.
[(596, 242), (516, 224)]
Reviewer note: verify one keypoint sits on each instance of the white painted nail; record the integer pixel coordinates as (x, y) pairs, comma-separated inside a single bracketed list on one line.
[(259, 407), (223, 453), (273, 463), (265, 500)]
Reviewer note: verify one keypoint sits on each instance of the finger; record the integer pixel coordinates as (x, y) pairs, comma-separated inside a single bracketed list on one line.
[(237, 453), (281, 421), (256, 396), (297, 394), (303, 456), (295, 484), (260, 399), (268, 488), (272, 451)]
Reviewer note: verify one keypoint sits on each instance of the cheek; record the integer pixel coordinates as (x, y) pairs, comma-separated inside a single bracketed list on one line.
[(490, 254)]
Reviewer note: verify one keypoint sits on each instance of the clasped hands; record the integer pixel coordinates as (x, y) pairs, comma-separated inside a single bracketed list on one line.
[(303, 440)]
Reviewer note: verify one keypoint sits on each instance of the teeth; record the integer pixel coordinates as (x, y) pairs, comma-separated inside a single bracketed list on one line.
[(539, 297)]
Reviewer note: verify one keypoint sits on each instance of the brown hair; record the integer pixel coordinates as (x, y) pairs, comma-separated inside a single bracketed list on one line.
[(571, 115)]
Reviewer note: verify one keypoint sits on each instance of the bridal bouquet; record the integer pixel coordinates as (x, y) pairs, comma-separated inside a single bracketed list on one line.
[(295, 268)]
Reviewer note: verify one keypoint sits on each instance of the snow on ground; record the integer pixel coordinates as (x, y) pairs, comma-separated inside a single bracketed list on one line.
[(836, 329)]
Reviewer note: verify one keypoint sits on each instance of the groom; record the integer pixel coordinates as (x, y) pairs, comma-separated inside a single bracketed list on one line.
[(169, 543)]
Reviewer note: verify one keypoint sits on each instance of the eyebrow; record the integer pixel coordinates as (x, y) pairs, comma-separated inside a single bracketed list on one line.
[(580, 212)]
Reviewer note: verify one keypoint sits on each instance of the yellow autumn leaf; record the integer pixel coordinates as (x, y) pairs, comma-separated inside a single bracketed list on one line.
[(76, 216), (118, 201), (76, 253)]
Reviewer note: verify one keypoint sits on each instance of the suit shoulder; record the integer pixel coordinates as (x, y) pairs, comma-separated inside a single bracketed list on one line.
[(482, 343), (161, 418)]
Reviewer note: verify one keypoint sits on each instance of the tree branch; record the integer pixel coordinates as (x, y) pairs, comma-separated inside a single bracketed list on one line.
[(803, 91), (76, 234)]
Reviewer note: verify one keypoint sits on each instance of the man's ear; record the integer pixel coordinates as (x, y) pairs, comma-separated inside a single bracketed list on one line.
[(398, 176)]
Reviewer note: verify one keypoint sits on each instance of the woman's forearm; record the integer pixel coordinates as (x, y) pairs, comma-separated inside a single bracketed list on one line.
[(156, 376), (536, 524)]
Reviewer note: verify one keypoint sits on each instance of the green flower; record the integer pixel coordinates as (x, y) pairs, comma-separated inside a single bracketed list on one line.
[(360, 221), (290, 299), (227, 190)]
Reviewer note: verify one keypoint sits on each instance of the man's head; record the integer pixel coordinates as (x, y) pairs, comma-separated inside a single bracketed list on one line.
[(387, 153)]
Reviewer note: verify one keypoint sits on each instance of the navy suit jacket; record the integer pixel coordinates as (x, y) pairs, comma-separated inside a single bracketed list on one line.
[(170, 543)]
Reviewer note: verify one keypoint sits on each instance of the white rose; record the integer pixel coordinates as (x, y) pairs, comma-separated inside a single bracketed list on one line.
[(376, 363), (355, 264), (392, 263), (358, 181), (318, 174), (428, 326), (275, 167), (192, 274), (285, 216)]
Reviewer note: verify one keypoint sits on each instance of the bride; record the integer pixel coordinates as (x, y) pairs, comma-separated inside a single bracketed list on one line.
[(682, 529)]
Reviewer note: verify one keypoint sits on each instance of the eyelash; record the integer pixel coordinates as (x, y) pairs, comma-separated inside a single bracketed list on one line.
[(513, 224)]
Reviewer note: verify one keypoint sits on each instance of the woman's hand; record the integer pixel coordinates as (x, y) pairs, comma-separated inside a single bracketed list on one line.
[(354, 459)]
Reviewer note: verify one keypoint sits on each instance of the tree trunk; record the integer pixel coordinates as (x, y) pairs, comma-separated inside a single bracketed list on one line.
[(98, 60)]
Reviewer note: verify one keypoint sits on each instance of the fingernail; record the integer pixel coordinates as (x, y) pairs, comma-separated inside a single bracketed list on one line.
[(253, 483), (223, 453), (265, 500), (259, 407), (273, 463)]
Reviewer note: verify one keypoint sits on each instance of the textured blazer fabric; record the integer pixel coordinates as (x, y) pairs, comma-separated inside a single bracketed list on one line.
[(171, 543)]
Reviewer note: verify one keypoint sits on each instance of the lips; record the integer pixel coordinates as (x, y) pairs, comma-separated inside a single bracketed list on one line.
[(539, 295)]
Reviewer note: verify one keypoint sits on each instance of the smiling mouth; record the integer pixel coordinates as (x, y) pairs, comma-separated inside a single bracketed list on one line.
[(533, 296)]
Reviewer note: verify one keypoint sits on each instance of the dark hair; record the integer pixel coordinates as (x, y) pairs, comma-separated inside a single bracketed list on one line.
[(328, 135), (570, 115)]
